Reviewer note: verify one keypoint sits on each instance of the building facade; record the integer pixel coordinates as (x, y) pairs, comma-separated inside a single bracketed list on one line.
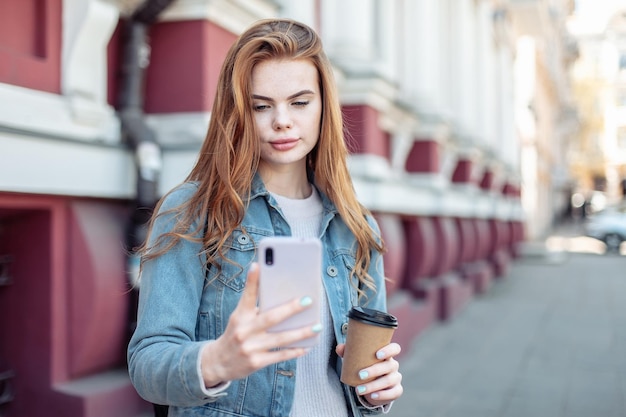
[(598, 160), (104, 105), (546, 110)]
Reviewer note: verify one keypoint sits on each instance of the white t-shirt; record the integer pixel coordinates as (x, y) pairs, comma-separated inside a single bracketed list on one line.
[(318, 389)]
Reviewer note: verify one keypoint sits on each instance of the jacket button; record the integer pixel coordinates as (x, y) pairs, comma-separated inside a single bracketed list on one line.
[(243, 239), (344, 328), (332, 271)]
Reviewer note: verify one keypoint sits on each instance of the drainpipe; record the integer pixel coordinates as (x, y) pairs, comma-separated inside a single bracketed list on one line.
[(135, 131)]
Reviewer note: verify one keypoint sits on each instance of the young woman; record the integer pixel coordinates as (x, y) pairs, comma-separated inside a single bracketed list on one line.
[(273, 163)]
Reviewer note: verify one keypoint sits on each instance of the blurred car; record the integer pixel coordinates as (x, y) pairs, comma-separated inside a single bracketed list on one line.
[(609, 226)]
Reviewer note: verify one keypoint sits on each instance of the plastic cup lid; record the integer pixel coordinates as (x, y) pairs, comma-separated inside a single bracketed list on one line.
[(375, 317)]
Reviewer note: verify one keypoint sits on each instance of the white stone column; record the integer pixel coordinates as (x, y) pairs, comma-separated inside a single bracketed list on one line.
[(471, 109), (387, 16), (420, 56), (234, 16), (447, 62), (464, 72), (87, 29), (302, 10), (350, 33), (509, 142), (486, 96)]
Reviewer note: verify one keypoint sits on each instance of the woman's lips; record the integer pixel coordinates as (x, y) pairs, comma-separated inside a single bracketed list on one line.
[(284, 144)]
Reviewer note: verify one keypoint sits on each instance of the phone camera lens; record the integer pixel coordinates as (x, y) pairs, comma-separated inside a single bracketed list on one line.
[(269, 256)]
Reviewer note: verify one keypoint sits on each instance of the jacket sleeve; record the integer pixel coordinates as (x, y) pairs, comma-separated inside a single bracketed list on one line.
[(163, 355)]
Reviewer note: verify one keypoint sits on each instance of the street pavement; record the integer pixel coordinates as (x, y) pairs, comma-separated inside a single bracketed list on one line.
[(547, 340)]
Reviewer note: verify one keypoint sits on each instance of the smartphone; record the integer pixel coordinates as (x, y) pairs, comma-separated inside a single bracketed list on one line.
[(291, 267)]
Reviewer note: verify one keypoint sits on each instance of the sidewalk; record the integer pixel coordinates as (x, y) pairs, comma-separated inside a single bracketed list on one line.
[(549, 340)]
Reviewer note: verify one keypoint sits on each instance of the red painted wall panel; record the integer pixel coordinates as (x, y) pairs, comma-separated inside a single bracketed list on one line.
[(392, 231), (462, 172), (468, 240), (483, 238), (185, 63), (423, 157), (486, 183), (29, 342), (99, 298), (113, 62), (421, 241), (363, 135), (30, 44), (448, 245), (65, 313)]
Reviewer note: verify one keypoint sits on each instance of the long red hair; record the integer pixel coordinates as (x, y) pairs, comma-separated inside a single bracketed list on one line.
[(230, 153)]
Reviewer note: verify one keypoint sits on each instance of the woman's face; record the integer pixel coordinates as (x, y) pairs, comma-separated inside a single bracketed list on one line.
[(287, 107)]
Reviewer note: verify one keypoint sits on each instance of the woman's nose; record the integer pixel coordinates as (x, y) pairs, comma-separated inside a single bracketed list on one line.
[(282, 119)]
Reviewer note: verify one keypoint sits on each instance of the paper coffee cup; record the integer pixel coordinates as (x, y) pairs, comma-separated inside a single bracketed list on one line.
[(368, 331)]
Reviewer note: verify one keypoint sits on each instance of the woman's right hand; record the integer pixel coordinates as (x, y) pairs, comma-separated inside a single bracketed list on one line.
[(246, 345)]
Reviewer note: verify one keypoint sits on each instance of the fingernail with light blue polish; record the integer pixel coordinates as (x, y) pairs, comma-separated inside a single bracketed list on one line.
[(380, 354), (363, 374), (306, 301), (374, 396), (360, 389), (317, 328)]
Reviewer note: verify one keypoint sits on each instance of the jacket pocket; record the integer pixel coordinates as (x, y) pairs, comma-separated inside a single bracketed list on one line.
[(240, 253)]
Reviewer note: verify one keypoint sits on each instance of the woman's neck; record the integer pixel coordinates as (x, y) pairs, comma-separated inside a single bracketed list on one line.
[(289, 190), (290, 184)]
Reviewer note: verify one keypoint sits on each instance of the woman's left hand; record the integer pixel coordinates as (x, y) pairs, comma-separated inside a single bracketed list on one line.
[(387, 383)]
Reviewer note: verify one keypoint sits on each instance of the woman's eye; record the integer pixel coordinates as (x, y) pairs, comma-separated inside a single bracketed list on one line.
[(261, 107), (300, 103)]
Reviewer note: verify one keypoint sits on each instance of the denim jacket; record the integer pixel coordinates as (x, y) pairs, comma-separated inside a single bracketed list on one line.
[(179, 311)]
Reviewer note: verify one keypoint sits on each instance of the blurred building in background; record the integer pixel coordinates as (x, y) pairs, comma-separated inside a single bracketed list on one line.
[(546, 112), (598, 152), (454, 109)]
